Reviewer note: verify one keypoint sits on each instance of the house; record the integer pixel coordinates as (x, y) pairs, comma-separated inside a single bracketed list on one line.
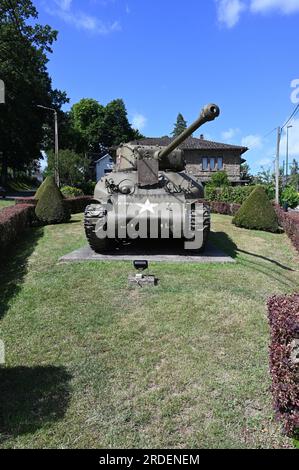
[(204, 157), (103, 166)]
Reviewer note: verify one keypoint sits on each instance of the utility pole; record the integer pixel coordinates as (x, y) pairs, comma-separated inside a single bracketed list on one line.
[(277, 166), (56, 160), (287, 169), (57, 177)]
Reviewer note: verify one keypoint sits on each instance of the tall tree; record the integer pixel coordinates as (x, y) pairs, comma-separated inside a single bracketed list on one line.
[(86, 117), (73, 167), (100, 126), (115, 127), (179, 126), (23, 59)]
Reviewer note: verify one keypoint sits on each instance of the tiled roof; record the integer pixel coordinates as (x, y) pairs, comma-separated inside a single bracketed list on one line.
[(191, 143)]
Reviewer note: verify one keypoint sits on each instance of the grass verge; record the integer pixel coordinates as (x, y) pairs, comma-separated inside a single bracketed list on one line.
[(93, 363)]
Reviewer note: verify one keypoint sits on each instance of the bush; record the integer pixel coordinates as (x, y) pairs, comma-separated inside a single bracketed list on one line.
[(230, 194), (76, 205), (235, 194), (40, 190), (224, 208), (290, 196), (289, 221), (14, 220), (283, 312), (88, 187), (69, 191), (257, 212), (50, 208), (219, 180)]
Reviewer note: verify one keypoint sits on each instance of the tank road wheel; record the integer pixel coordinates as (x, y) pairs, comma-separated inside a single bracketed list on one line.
[(95, 214), (206, 226)]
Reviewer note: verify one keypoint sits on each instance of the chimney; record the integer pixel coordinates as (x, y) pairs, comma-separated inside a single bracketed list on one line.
[(202, 137)]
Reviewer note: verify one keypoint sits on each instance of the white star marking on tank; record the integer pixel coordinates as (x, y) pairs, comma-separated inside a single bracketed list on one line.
[(147, 207)]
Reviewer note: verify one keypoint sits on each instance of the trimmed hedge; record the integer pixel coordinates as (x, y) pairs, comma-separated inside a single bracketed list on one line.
[(225, 208), (70, 191), (229, 194), (283, 313), (289, 221), (257, 213), (76, 205), (14, 220), (235, 194)]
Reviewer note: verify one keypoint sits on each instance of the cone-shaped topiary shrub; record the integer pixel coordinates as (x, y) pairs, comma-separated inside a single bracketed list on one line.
[(257, 212), (51, 208), (44, 184)]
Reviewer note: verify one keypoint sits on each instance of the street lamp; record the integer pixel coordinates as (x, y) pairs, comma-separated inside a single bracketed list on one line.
[(56, 163), (287, 162)]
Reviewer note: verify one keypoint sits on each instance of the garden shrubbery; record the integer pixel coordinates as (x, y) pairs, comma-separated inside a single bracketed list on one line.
[(289, 221), (50, 208), (69, 191), (14, 220), (290, 196), (224, 208), (234, 194), (230, 194), (257, 212), (76, 205), (41, 188), (283, 312)]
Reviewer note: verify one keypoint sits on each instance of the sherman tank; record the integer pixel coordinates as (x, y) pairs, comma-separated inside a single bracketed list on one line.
[(149, 195)]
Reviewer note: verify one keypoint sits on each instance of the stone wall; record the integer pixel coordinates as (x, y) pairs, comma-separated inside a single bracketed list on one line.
[(231, 163)]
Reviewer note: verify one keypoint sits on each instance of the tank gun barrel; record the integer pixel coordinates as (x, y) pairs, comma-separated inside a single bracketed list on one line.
[(209, 113)]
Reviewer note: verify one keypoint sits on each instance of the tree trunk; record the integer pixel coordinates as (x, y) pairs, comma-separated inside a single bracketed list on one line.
[(4, 169)]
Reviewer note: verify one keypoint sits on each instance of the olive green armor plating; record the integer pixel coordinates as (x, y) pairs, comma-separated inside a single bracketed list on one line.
[(145, 178)]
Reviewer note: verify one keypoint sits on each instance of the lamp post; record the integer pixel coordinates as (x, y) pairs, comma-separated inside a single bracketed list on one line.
[(56, 162), (277, 166), (287, 161)]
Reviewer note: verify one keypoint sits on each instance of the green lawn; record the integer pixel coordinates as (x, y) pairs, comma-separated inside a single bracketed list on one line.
[(94, 363), (6, 203)]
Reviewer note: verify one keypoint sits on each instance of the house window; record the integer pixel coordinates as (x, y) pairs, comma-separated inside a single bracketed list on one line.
[(205, 165), (212, 163)]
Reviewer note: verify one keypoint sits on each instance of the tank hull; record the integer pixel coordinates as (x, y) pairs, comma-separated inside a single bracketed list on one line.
[(164, 212)]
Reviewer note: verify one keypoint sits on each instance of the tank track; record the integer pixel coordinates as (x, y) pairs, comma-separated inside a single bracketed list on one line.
[(206, 224), (94, 214)]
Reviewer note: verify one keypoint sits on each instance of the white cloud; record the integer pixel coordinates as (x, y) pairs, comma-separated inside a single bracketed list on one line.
[(230, 134), (283, 6), (229, 11), (139, 121), (80, 19), (64, 4), (252, 142)]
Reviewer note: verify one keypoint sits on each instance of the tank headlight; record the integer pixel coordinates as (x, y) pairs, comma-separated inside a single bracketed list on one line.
[(125, 189)]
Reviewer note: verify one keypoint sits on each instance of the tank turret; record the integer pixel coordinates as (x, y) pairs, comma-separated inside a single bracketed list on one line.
[(170, 157), (150, 195)]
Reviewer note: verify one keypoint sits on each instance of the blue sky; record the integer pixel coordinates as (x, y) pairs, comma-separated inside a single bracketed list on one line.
[(167, 56)]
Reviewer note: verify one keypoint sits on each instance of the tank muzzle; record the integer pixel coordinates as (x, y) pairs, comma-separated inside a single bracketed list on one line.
[(211, 112)]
